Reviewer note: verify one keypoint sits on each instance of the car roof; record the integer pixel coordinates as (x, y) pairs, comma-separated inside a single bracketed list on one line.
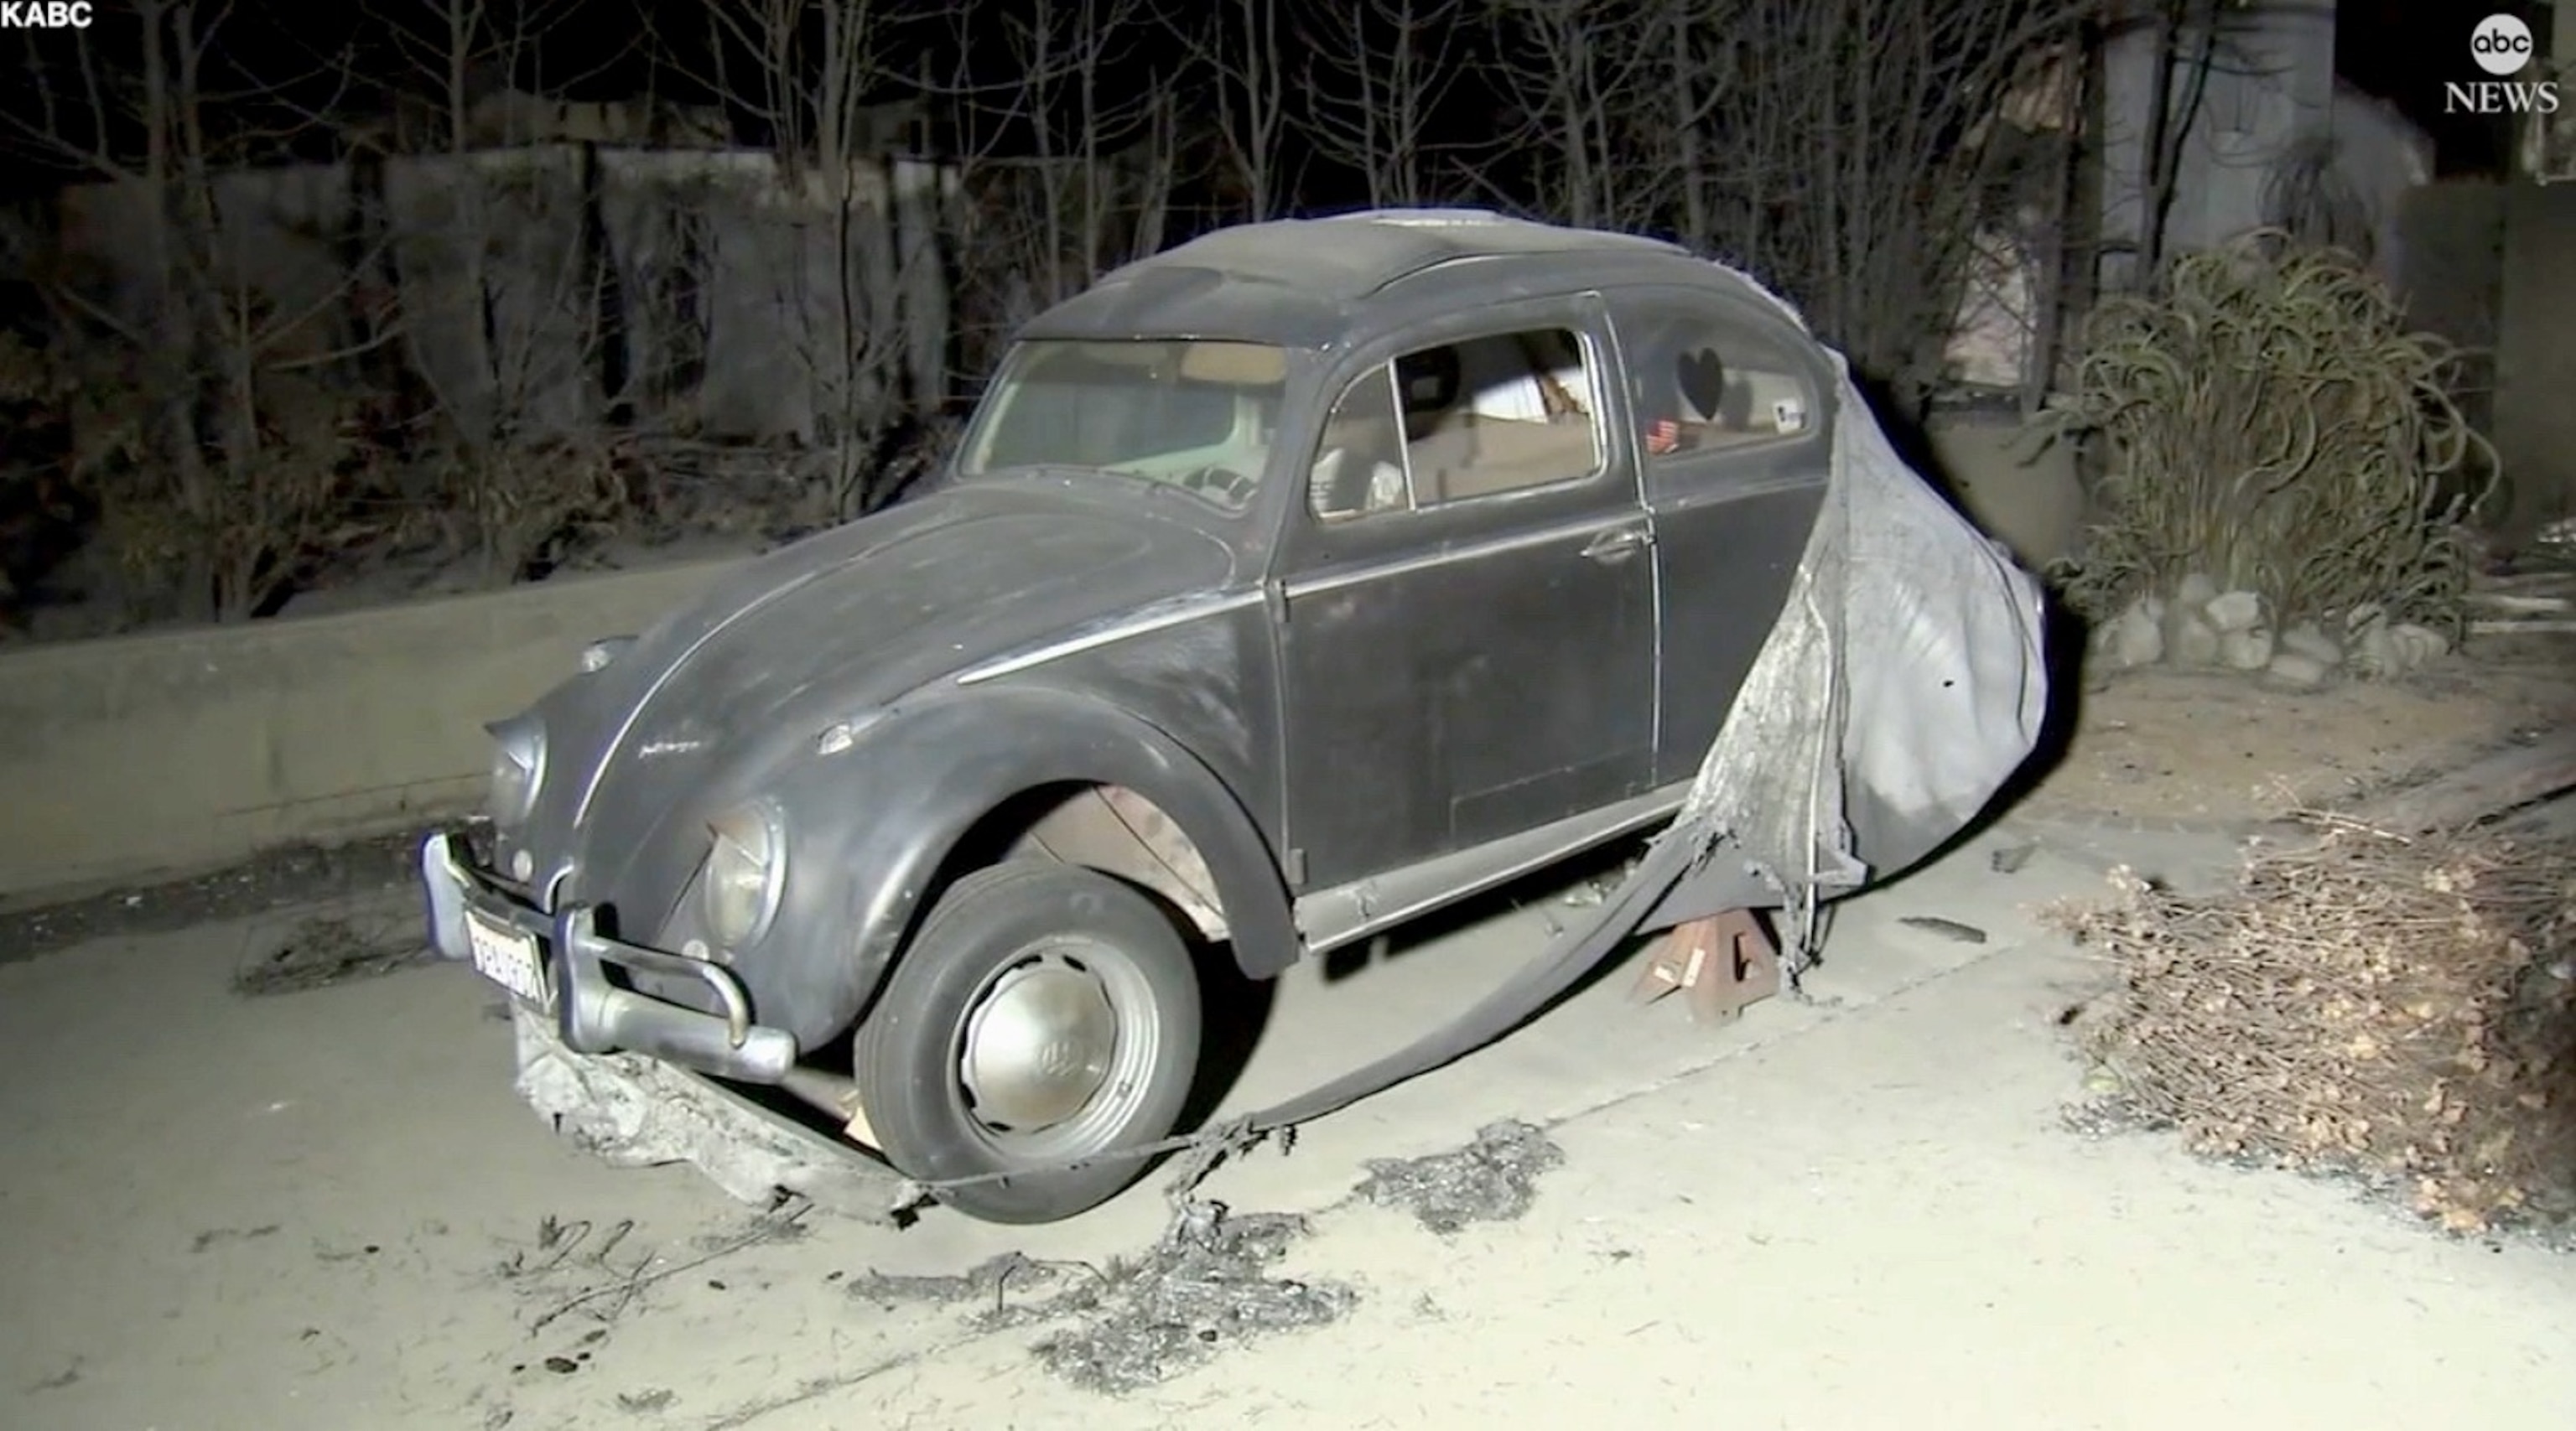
[(1310, 282)]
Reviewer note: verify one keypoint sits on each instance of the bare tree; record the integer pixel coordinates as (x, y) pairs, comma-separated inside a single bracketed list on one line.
[(1377, 74), (213, 483), (818, 65), (1241, 47), (1687, 79), (1067, 171), (2185, 37), (2187, 42), (1078, 133), (1854, 152), (512, 307), (1582, 74)]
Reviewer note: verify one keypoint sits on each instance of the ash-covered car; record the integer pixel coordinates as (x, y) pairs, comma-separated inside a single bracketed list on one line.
[(1287, 585)]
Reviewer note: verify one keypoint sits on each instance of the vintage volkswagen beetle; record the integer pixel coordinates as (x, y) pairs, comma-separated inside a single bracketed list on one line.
[(1288, 585)]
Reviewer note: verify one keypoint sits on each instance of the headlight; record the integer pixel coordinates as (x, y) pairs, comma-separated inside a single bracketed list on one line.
[(745, 869), (518, 768)]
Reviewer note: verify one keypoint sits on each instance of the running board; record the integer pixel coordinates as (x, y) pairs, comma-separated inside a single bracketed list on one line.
[(1346, 914)]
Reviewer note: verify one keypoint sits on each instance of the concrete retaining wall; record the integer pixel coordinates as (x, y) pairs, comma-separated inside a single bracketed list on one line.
[(2020, 487), (141, 755)]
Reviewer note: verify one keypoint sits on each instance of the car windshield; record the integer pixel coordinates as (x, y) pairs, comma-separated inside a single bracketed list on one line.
[(1196, 414)]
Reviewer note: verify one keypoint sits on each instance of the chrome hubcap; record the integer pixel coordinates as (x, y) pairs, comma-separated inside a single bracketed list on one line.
[(1041, 1042)]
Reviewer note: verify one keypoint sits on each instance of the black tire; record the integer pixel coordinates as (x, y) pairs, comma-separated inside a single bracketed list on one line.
[(1032, 950)]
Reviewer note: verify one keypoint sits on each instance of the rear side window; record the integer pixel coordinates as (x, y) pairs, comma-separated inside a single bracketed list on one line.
[(1460, 422), (1706, 380)]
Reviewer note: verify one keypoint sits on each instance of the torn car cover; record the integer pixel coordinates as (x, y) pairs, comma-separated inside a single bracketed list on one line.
[(1902, 685)]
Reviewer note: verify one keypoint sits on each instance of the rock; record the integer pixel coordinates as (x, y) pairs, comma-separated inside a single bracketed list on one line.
[(2311, 641), (2247, 650), (2135, 637), (2189, 638), (2419, 645), (2235, 611), (2195, 591), (2373, 655), (2382, 649), (2298, 670)]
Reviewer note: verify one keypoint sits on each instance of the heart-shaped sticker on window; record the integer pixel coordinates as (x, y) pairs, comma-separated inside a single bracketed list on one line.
[(1703, 381)]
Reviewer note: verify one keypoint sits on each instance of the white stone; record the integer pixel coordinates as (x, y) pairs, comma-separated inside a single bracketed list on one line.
[(2308, 640), (2298, 669), (2374, 655), (2189, 638), (2196, 591), (2235, 611), (2419, 645), (2134, 637), (2247, 650)]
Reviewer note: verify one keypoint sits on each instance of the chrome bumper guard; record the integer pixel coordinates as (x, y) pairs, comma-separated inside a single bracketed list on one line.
[(593, 1013)]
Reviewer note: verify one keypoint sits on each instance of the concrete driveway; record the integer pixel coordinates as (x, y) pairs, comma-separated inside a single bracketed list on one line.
[(327, 1210)]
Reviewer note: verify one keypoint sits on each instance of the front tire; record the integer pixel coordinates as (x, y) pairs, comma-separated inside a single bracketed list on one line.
[(1044, 1012)]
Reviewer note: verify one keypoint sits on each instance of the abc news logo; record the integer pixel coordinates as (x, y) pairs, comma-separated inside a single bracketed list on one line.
[(2502, 46)]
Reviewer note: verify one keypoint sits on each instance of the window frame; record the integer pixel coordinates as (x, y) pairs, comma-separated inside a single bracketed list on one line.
[(1723, 312), (1593, 351)]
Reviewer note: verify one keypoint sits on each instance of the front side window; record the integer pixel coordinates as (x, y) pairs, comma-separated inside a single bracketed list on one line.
[(1457, 422), (1196, 414), (1360, 466)]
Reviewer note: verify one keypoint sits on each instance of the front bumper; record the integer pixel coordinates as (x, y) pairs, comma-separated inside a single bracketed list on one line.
[(594, 1012)]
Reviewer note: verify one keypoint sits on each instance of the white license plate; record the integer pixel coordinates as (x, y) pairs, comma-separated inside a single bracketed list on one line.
[(507, 957)]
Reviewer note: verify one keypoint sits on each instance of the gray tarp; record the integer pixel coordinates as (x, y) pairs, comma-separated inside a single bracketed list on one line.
[(1902, 686)]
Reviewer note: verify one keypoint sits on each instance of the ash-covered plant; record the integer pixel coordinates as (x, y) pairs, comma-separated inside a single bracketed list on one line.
[(2272, 424), (217, 516), (2399, 1008)]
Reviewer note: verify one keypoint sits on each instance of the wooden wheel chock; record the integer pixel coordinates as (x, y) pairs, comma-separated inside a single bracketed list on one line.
[(1725, 962)]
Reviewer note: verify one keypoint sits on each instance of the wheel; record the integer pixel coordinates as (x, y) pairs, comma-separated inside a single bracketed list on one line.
[(1044, 1012)]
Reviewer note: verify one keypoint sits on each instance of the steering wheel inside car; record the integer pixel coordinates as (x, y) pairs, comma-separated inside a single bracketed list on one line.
[(1225, 483)]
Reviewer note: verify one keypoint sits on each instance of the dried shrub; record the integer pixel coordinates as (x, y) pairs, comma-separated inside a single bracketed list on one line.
[(215, 476), (521, 508), (2399, 1009), (2271, 423), (41, 515), (26, 374), (279, 498)]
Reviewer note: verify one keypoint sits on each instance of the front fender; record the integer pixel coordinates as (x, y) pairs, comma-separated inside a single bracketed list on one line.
[(885, 814)]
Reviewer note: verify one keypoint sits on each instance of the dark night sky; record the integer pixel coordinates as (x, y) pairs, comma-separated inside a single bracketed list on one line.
[(2400, 50), (341, 57)]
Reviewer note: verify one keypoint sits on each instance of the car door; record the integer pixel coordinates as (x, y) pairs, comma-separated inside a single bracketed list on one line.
[(1467, 586), (1734, 411)]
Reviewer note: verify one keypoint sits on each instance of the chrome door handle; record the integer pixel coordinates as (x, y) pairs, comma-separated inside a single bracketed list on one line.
[(1617, 545)]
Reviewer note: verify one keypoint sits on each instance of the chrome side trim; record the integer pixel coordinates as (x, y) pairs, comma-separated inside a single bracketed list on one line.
[(1587, 526), (1106, 635), (1349, 913)]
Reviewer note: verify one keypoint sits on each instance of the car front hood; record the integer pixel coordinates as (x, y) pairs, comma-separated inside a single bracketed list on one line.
[(832, 627)]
